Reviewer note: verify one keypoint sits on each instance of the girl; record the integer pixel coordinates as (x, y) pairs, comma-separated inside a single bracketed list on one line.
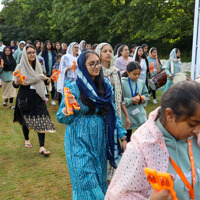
[(37, 46), (166, 142), (49, 59), (155, 67), (123, 58), (8, 66), (91, 130), (145, 48), (135, 96), (173, 67), (140, 57), (30, 110), (18, 52), (58, 49), (133, 48)]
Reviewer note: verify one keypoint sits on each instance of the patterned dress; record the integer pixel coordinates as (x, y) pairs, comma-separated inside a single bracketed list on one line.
[(85, 148)]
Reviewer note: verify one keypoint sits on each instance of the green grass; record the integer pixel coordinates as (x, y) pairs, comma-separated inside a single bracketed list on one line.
[(24, 174)]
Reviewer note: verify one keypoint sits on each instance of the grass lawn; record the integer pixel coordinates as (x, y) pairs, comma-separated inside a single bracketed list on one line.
[(24, 173)]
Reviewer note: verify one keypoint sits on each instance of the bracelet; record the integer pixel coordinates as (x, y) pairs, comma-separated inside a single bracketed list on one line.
[(65, 113), (124, 139)]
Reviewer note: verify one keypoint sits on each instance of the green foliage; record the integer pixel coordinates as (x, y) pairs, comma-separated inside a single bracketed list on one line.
[(126, 21)]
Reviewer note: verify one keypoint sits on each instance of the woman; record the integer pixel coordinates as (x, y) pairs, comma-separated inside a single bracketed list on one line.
[(140, 57), (8, 66), (13, 47), (133, 48), (18, 52), (91, 130), (66, 66), (37, 46), (145, 48), (123, 59), (50, 60), (173, 67), (64, 48), (155, 67), (82, 45), (30, 110), (105, 52), (169, 138), (58, 49)]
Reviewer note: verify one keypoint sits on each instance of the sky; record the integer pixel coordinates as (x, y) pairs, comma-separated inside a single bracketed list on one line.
[(1, 6)]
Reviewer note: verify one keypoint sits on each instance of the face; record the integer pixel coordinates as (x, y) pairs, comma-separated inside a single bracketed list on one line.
[(22, 46), (75, 49), (106, 53), (184, 127), (154, 54), (65, 47), (48, 46), (42, 45), (17, 43), (89, 46), (7, 51), (133, 49), (12, 44), (58, 60), (125, 52), (31, 54), (83, 45), (37, 45), (140, 52), (93, 65), (134, 75), (58, 46), (146, 49), (178, 54)]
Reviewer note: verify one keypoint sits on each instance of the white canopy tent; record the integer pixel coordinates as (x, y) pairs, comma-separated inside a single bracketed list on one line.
[(195, 68)]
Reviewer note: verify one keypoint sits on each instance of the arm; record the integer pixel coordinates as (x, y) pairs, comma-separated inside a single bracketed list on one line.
[(145, 93), (167, 69), (127, 100)]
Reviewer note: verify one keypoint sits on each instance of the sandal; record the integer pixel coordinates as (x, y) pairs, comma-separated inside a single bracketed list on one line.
[(28, 145), (4, 103), (12, 107), (44, 152)]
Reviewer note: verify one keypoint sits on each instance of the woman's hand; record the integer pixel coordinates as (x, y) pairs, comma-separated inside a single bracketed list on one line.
[(128, 122), (142, 99), (136, 99), (170, 76), (71, 100), (48, 80), (18, 80), (68, 68), (161, 195)]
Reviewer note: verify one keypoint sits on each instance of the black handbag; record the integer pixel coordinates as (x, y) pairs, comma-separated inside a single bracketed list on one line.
[(23, 105)]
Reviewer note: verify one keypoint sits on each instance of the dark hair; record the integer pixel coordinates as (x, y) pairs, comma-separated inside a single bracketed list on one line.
[(45, 51), (177, 50), (99, 83), (133, 45), (121, 48), (144, 45), (35, 42), (182, 98), (137, 57), (94, 46), (34, 62), (117, 47), (133, 65), (59, 56), (28, 42), (153, 49)]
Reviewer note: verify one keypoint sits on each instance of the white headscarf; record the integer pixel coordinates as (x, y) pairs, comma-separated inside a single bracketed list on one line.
[(81, 44), (35, 78), (112, 71), (69, 49)]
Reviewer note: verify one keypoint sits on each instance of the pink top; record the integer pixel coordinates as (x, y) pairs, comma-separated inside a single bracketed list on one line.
[(146, 149)]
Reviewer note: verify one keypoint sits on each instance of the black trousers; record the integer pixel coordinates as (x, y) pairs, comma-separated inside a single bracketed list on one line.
[(128, 135), (153, 93), (11, 100), (41, 136)]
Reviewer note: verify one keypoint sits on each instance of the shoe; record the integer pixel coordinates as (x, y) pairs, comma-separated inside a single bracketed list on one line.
[(47, 99), (44, 152), (53, 103), (4, 103), (28, 145), (155, 101), (12, 107)]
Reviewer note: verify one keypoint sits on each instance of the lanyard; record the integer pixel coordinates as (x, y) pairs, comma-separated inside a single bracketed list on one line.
[(132, 88), (181, 174)]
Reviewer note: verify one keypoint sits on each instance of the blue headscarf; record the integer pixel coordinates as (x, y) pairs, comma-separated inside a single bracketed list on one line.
[(87, 87)]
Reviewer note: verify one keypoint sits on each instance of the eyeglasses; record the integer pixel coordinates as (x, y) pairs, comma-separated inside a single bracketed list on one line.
[(76, 47), (93, 64), (33, 52)]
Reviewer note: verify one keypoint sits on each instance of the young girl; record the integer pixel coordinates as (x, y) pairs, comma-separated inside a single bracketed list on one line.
[(135, 96)]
